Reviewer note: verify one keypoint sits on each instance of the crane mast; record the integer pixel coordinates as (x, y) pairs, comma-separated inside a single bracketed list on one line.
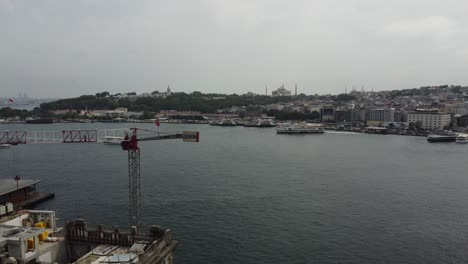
[(134, 183), (130, 144)]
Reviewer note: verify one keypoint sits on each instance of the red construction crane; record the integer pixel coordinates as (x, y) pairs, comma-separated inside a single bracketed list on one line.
[(129, 143)]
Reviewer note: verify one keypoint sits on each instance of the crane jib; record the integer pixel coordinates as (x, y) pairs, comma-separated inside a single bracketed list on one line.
[(187, 136)]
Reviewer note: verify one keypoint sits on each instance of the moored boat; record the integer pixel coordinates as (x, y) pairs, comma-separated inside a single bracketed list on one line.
[(250, 124), (299, 129), (433, 138), (266, 123), (40, 121), (461, 139)]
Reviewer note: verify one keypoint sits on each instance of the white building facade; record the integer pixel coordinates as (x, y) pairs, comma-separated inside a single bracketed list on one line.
[(429, 119)]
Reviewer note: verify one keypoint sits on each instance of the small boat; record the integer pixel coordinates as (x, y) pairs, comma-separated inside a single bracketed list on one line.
[(299, 129), (4, 146), (112, 140), (433, 138), (461, 140), (40, 121), (119, 120)]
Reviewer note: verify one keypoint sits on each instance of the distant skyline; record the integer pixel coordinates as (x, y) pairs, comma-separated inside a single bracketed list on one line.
[(57, 49)]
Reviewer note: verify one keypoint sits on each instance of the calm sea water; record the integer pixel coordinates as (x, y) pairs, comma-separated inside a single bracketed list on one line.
[(247, 195)]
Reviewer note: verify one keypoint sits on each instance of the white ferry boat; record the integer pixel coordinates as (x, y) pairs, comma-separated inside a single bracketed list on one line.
[(301, 128), (448, 137)]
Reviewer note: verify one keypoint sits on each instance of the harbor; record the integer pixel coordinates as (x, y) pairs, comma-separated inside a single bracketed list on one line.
[(249, 166), (227, 132)]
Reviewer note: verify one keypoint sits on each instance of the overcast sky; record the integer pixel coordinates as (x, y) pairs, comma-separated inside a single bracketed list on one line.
[(57, 48)]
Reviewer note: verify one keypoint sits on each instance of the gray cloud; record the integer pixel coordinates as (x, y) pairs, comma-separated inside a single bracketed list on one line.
[(67, 48)]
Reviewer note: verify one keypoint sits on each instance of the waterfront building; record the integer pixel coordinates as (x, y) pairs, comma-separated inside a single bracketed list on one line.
[(65, 111), (379, 116), (404, 115), (398, 116), (170, 113), (327, 114), (462, 121), (455, 122), (343, 115), (429, 119), (120, 112), (359, 115), (281, 92)]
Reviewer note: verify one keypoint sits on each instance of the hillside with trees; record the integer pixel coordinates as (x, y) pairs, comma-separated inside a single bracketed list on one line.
[(196, 101)]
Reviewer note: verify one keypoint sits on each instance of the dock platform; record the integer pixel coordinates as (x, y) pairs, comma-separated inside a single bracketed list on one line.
[(34, 199), (22, 192)]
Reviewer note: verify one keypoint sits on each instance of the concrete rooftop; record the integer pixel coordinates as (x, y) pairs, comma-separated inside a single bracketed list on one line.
[(8, 232)]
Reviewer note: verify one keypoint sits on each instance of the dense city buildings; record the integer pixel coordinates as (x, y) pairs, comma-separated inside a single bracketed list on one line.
[(396, 108)]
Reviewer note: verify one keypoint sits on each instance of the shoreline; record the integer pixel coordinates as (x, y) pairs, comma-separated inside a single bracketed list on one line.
[(326, 128)]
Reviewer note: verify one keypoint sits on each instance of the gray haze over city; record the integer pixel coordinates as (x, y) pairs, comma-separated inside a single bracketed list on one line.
[(69, 48)]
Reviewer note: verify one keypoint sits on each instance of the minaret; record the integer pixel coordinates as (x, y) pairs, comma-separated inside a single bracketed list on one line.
[(295, 90), (266, 90)]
